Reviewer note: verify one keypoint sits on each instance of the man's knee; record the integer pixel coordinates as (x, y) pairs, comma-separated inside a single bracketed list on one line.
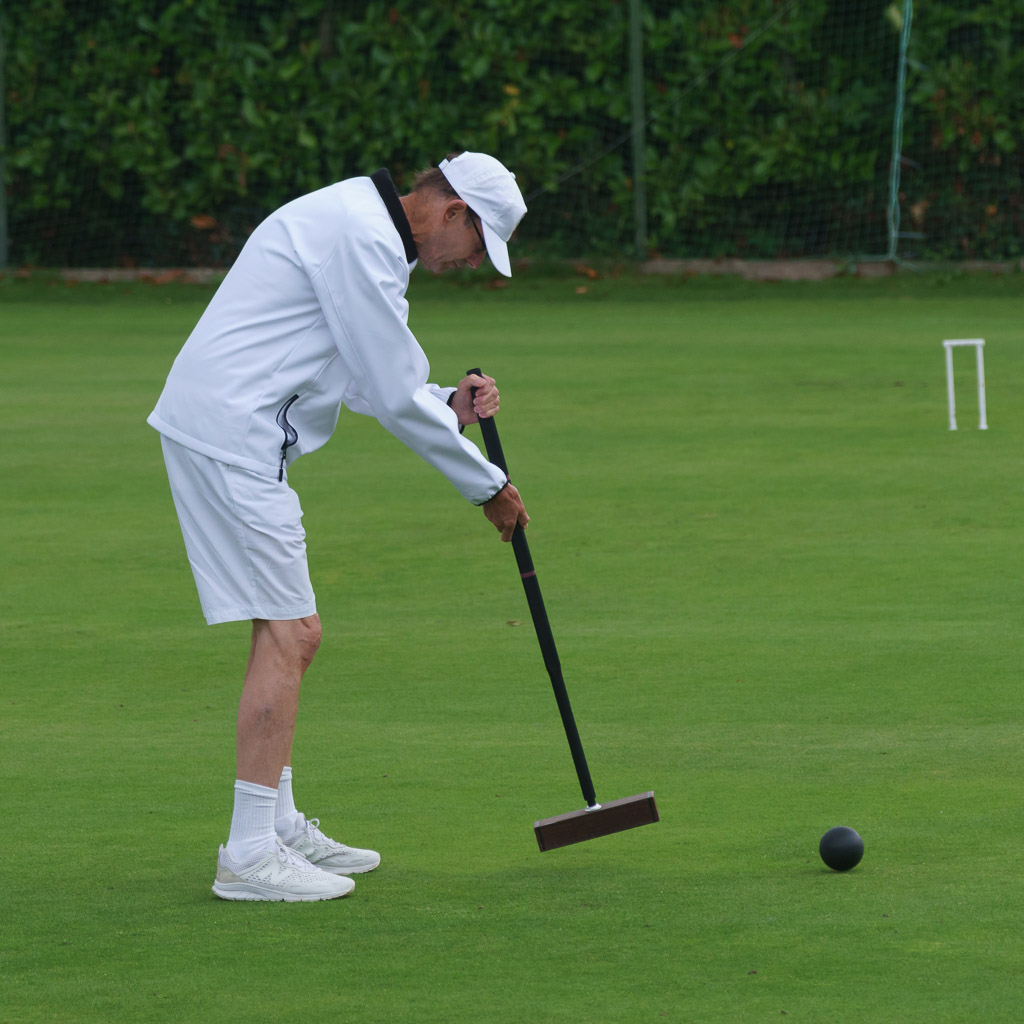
[(309, 635), (296, 641)]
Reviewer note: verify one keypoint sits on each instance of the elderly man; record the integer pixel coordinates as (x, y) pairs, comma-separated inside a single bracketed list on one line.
[(312, 316)]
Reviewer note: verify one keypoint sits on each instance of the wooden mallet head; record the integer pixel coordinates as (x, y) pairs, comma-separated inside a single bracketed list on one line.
[(602, 820)]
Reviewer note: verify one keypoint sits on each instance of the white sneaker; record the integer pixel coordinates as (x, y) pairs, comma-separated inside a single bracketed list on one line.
[(280, 874), (328, 855)]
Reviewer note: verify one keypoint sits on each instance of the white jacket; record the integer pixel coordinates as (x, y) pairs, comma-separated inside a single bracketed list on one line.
[(311, 315)]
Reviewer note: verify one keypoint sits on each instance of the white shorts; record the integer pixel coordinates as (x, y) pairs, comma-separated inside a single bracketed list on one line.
[(244, 538)]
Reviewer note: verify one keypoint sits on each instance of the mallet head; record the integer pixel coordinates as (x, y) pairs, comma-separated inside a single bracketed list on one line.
[(602, 820)]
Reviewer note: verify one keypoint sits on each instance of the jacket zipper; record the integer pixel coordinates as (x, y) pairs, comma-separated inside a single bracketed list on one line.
[(290, 434)]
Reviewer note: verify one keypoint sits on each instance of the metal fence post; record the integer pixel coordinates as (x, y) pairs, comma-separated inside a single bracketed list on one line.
[(3, 152), (897, 134), (639, 118)]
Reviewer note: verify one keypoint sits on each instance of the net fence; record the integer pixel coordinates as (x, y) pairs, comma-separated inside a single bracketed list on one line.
[(159, 134)]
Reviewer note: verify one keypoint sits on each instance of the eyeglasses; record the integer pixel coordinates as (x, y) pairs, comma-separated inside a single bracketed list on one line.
[(483, 244)]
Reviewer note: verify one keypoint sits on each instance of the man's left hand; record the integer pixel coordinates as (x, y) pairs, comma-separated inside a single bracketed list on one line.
[(468, 408)]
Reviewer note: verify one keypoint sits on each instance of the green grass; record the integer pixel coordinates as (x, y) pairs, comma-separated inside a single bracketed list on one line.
[(785, 597)]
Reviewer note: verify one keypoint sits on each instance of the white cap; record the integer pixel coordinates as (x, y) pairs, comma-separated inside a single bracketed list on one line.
[(489, 189)]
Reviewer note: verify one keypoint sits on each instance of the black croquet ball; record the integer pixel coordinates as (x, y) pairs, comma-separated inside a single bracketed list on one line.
[(841, 848)]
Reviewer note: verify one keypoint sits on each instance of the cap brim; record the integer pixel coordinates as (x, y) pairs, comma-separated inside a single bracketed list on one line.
[(497, 250)]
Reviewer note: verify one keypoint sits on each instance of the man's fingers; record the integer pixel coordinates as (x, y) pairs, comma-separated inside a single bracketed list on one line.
[(486, 407), (521, 520), (481, 384), (505, 510), (477, 397), (510, 528), (485, 397)]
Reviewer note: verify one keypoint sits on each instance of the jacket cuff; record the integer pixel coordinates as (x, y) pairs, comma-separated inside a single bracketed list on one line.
[(449, 404), (480, 504)]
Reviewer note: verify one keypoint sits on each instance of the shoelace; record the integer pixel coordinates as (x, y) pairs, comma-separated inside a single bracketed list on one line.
[(314, 833), (286, 855)]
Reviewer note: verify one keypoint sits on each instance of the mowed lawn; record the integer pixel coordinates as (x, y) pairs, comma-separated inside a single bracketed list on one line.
[(785, 596)]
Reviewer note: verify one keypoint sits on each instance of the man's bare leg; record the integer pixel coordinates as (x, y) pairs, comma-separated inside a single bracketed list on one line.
[(249, 866), (281, 652), (279, 655)]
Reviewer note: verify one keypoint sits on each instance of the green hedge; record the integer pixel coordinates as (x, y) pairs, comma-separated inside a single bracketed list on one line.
[(160, 133), (964, 173)]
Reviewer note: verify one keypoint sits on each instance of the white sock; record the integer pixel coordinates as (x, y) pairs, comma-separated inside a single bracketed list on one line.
[(286, 817), (252, 821)]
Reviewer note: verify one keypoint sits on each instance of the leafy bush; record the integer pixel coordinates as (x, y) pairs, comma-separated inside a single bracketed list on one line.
[(160, 133), (964, 185)]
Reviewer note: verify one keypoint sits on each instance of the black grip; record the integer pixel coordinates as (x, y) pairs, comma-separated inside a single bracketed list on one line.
[(490, 433)]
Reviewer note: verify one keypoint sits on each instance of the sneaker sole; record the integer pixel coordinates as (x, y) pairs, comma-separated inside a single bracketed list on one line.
[(349, 871), (234, 891)]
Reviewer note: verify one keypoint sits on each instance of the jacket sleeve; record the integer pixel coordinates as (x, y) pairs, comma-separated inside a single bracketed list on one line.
[(361, 290), (356, 403)]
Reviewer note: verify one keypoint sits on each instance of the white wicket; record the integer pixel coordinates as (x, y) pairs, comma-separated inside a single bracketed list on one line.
[(979, 348)]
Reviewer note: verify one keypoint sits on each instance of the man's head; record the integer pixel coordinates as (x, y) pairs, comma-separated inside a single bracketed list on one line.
[(465, 208)]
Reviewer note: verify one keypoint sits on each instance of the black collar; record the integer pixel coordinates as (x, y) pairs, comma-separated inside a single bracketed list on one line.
[(386, 187)]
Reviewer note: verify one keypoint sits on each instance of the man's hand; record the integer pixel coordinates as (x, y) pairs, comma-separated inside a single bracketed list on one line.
[(506, 511), (469, 408)]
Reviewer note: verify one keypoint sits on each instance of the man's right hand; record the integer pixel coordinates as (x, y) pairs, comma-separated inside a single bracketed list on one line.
[(506, 511)]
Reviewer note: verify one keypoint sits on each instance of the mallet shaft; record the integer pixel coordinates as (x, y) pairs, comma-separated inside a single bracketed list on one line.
[(541, 624)]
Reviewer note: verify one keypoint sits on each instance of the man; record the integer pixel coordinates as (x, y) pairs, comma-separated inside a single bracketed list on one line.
[(311, 316)]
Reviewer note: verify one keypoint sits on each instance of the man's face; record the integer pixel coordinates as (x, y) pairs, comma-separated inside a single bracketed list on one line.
[(456, 242)]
